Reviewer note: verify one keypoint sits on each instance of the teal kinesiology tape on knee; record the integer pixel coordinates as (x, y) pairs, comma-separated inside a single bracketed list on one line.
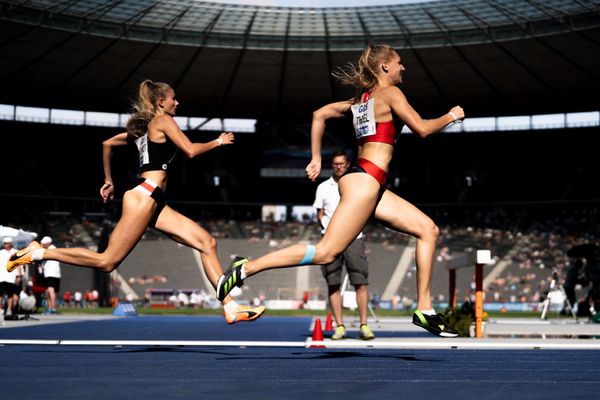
[(309, 255)]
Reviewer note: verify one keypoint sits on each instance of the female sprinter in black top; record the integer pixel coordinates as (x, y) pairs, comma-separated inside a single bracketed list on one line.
[(158, 138)]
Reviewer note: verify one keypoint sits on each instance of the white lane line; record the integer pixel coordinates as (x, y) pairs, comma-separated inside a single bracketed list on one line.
[(153, 343), (387, 343)]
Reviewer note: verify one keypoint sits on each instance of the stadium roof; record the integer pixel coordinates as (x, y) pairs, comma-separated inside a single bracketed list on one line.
[(493, 57), (190, 22)]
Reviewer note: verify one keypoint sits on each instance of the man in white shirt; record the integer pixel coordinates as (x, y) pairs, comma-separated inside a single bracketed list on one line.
[(10, 282), (51, 270), (354, 257)]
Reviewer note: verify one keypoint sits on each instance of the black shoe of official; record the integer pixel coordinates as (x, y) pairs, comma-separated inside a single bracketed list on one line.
[(231, 278), (435, 324)]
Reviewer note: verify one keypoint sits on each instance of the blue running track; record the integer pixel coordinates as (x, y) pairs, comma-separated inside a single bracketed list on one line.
[(106, 372)]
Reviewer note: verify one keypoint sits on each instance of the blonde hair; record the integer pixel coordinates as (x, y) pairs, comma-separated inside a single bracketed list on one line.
[(362, 76), (144, 109)]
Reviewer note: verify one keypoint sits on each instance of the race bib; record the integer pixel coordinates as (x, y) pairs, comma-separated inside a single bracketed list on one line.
[(142, 146), (364, 118)]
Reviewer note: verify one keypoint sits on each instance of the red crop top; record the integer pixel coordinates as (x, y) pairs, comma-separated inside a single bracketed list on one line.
[(385, 132)]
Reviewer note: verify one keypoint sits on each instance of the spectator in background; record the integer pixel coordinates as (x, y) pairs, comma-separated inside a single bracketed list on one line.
[(95, 296), (183, 299), (67, 298), (375, 301), (77, 298), (9, 281), (195, 299), (51, 270), (88, 299), (173, 299), (353, 257), (395, 301)]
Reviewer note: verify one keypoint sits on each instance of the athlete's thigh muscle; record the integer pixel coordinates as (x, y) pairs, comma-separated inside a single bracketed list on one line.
[(181, 228), (135, 217), (359, 193), (398, 214)]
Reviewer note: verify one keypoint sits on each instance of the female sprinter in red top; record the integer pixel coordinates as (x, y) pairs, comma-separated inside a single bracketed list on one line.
[(158, 139), (379, 112)]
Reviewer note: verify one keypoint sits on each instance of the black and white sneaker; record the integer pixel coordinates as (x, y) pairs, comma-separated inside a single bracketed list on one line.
[(435, 324), (231, 278)]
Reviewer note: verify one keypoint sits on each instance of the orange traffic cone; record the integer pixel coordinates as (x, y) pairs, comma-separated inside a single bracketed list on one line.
[(328, 322), (317, 335)]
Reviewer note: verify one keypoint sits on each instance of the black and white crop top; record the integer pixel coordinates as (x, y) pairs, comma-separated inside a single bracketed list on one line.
[(154, 156)]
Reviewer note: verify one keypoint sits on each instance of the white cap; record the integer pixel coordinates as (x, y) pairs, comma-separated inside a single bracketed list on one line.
[(46, 240), (7, 239)]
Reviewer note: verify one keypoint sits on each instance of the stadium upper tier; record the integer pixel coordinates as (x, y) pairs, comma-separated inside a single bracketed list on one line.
[(494, 58), (237, 26)]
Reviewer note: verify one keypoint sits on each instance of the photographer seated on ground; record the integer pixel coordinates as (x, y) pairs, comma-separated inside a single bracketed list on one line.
[(576, 275), (585, 271), (27, 301)]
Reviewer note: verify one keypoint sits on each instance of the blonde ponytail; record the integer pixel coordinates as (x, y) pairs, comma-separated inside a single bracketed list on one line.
[(144, 109), (362, 76)]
